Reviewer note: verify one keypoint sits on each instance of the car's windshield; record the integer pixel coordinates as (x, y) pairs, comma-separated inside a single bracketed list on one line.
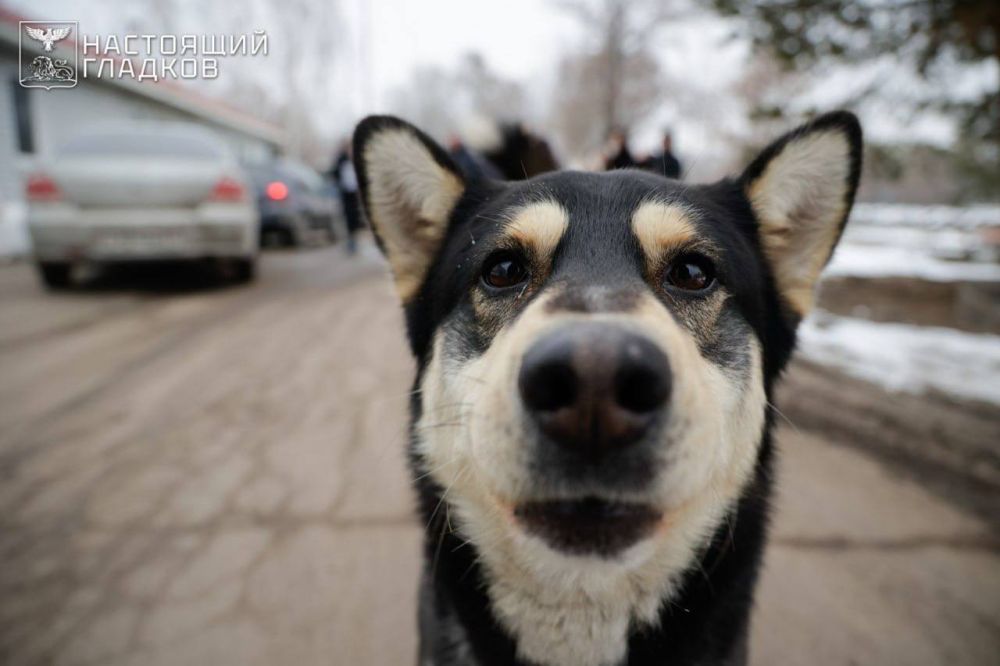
[(145, 144)]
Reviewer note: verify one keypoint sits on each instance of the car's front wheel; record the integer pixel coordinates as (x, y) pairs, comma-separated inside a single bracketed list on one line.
[(55, 274)]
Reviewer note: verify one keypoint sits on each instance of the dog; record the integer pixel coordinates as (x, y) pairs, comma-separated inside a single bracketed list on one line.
[(591, 419)]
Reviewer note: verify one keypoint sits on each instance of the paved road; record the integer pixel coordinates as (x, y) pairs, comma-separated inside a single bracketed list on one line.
[(194, 475)]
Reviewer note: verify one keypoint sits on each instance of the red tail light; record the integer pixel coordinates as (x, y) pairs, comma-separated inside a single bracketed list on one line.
[(42, 188), (227, 189), (276, 191)]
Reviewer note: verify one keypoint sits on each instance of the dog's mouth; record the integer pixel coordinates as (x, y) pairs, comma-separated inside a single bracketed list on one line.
[(588, 526)]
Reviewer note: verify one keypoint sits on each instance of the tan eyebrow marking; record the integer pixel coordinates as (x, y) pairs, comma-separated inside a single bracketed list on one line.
[(661, 227), (539, 226)]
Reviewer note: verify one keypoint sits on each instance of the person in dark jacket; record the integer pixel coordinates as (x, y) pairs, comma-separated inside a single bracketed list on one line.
[(521, 154), (342, 173), (617, 155), (472, 164), (664, 163)]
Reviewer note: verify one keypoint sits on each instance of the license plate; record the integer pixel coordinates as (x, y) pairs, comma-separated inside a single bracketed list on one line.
[(144, 239)]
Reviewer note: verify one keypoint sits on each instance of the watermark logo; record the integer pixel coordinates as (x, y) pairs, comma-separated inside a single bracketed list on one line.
[(49, 54), (46, 57)]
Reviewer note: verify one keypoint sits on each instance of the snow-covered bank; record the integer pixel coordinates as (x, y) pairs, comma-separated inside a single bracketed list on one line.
[(936, 243), (974, 216), (855, 260), (905, 358)]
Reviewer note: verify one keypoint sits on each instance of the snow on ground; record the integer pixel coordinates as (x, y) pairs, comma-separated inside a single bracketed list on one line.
[(957, 244), (852, 260), (906, 358), (937, 243), (974, 216)]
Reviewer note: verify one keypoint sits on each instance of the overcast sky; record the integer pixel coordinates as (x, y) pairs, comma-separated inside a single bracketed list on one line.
[(378, 43), (518, 38)]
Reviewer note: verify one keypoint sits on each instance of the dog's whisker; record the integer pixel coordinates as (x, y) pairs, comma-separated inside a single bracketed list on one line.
[(465, 542), (446, 527), (435, 470), (437, 549), (782, 415), (448, 405), (441, 424), (475, 561), (444, 495)]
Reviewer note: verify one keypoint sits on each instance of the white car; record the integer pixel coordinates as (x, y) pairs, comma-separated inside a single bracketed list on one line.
[(141, 192)]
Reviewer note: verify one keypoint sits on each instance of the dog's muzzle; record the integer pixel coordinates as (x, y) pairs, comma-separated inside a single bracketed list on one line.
[(598, 395)]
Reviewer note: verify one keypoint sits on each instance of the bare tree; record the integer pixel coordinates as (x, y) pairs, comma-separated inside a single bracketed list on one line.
[(614, 81), (765, 88), (490, 93), (427, 100), (440, 100), (284, 87)]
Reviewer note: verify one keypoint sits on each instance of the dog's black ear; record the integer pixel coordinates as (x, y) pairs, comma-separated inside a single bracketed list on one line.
[(409, 187), (801, 189)]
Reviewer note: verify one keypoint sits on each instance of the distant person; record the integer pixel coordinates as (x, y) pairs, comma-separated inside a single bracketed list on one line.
[(520, 153), (664, 163), (472, 164), (343, 174), (617, 155)]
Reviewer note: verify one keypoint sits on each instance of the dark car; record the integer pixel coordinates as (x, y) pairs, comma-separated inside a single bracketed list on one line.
[(295, 203)]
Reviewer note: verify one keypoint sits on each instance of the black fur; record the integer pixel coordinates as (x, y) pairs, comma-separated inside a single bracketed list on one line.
[(706, 622)]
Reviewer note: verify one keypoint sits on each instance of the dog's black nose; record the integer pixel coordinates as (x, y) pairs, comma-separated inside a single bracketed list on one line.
[(594, 387)]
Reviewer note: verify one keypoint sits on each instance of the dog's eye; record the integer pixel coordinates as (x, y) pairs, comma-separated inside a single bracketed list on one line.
[(691, 272), (503, 270)]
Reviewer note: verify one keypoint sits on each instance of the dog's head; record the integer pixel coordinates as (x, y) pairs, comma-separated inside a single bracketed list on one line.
[(595, 354)]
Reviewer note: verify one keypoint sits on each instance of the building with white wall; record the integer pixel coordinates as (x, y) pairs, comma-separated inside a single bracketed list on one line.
[(34, 122)]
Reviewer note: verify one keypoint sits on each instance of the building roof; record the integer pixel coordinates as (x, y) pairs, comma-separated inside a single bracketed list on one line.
[(167, 92)]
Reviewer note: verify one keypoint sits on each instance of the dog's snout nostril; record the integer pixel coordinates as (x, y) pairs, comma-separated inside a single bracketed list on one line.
[(595, 387), (548, 386), (642, 383)]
